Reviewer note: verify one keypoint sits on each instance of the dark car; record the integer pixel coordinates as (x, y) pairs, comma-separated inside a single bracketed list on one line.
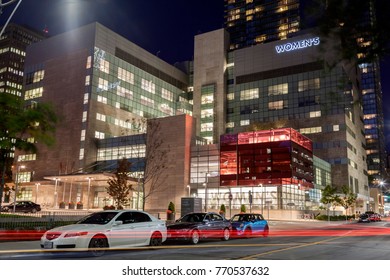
[(247, 225), (194, 227), (364, 218), (22, 206)]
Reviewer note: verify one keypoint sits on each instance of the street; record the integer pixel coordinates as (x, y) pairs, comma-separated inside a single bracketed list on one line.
[(298, 240)]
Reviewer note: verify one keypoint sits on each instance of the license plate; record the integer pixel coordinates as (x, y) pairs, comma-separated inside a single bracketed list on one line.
[(48, 245)]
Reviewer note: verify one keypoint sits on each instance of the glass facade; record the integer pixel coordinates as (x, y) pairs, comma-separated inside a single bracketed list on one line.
[(252, 22)]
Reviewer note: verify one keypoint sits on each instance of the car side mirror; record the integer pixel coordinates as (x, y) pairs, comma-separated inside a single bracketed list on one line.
[(118, 223)]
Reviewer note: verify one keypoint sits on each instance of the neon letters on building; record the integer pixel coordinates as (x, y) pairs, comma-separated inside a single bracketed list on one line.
[(298, 45)]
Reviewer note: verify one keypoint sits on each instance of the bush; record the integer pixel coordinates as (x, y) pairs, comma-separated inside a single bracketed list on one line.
[(171, 207), (222, 209), (334, 218), (243, 209)]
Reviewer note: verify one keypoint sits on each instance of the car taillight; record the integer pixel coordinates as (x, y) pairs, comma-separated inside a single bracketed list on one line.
[(75, 234)]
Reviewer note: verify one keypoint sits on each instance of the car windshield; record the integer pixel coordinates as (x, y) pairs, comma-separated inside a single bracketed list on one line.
[(98, 218), (194, 217), (240, 218)]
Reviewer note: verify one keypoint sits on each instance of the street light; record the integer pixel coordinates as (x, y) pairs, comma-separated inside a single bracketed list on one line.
[(36, 191), (262, 197), (89, 188), (16, 184), (189, 190), (205, 190), (55, 191)]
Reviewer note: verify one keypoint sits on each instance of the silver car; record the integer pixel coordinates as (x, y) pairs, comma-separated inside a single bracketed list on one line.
[(107, 229)]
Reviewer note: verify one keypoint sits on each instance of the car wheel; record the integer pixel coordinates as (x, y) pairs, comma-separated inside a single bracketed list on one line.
[(226, 234), (155, 239), (248, 232), (97, 246), (266, 231), (194, 237), (33, 210)]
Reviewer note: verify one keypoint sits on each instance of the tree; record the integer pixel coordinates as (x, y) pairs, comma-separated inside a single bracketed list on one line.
[(156, 162), (348, 200), (21, 128), (119, 187), (329, 197)]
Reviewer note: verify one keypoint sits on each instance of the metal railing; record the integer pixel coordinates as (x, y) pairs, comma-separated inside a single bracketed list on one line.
[(40, 220)]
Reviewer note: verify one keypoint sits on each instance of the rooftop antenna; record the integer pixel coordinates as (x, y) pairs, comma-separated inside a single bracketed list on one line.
[(4, 3)]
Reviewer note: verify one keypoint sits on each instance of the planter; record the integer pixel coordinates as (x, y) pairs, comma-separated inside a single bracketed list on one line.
[(79, 206), (62, 206), (170, 216), (71, 206)]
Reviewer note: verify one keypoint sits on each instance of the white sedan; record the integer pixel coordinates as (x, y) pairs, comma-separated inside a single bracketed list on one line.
[(107, 229)]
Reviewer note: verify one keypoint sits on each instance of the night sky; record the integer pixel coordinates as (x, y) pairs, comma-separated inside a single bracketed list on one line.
[(163, 27)]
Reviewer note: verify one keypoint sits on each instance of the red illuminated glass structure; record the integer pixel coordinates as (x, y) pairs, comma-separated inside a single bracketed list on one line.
[(276, 156)]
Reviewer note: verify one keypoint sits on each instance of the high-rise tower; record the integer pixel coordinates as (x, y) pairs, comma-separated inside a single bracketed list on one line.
[(251, 22)]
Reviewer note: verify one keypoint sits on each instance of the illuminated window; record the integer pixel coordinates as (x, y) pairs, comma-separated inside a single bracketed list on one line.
[(124, 92), (249, 94), (38, 76), (207, 113), (82, 138), (104, 66), (102, 99), (277, 105), (33, 93), (84, 118), (207, 99), (147, 101), (230, 125), (87, 80), (244, 122), (81, 155), (315, 114), (148, 86), (206, 127), (86, 96), (336, 127), (230, 96), (102, 85), (310, 130), (166, 94), (99, 135), (89, 62), (309, 84), (278, 89), (28, 157), (125, 75), (101, 117)]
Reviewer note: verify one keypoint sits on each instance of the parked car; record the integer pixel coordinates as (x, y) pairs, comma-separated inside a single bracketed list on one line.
[(375, 217), (194, 227), (364, 218), (22, 206), (247, 225), (107, 229)]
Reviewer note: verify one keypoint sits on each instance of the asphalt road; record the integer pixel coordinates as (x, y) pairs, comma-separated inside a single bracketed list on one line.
[(301, 240)]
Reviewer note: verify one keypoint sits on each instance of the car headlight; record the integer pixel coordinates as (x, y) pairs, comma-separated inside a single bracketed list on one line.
[(75, 234)]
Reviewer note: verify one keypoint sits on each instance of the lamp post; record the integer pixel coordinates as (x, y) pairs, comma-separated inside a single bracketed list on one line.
[(55, 191), (262, 197), (189, 190), (36, 191), (205, 190), (89, 189), (16, 184)]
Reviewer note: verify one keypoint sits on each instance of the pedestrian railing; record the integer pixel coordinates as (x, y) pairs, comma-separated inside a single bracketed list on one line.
[(42, 220)]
